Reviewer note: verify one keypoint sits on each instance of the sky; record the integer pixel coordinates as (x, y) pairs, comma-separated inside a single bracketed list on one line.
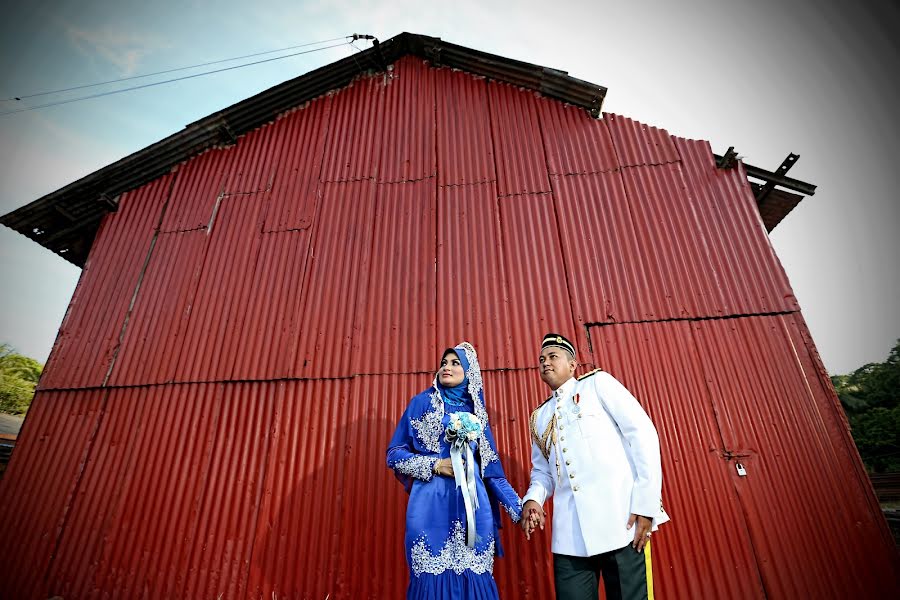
[(766, 77)]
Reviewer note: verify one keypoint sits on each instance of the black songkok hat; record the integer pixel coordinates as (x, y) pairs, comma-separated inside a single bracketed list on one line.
[(554, 339)]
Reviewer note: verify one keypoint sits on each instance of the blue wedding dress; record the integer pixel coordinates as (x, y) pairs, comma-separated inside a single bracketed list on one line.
[(441, 564)]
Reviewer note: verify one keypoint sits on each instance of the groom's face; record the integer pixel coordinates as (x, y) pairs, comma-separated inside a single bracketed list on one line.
[(556, 366)]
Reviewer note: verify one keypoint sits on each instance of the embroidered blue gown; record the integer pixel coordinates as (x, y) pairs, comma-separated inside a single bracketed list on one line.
[(441, 565)]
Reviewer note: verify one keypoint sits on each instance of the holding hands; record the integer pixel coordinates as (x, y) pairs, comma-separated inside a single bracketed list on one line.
[(533, 516)]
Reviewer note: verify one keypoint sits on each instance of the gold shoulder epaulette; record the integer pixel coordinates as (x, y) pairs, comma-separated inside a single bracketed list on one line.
[(589, 373), (539, 439)]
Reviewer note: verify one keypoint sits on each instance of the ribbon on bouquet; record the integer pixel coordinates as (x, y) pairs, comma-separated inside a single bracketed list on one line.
[(465, 479)]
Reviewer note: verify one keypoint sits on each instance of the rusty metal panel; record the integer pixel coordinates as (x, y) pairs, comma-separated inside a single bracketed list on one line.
[(148, 484), (707, 537), (356, 550), (254, 159), (573, 141), (157, 327), (273, 309), (407, 141), (516, 132), (398, 292), (353, 148), (292, 201), (213, 339), (339, 256), (671, 244), (465, 151), (747, 271), (471, 280), (537, 290), (89, 334), (606, 275), (803, 474), (638, 144), (39, 487), (198, 184)]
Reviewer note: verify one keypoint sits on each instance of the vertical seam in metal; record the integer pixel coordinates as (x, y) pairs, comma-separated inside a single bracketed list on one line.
[(200, 271), (140, 281), (562, 250), (203, 484), (734, 488), (437, 193), (314, 228), (508, 349), (80, 478), (262, 492)]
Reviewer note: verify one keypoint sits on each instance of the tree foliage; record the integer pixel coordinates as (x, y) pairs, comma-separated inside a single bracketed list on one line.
[(871, 398), (18, 377)]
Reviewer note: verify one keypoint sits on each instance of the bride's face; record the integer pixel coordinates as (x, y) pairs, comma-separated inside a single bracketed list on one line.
[(450, 373)]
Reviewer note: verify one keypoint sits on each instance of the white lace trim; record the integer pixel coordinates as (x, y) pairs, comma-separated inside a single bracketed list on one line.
[(455, 555), (428, 427), (420, 467), (515, 513), (475, 389)]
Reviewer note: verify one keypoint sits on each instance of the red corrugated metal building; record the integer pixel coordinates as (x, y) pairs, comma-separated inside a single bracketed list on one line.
[(263, 291)]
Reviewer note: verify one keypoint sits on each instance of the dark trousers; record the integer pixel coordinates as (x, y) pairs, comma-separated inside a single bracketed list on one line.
[(626, 575)]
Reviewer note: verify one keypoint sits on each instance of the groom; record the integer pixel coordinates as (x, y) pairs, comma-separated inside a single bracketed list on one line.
[(596, 451)]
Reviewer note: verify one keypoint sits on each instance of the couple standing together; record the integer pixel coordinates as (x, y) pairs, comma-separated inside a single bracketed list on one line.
[(593, 448)]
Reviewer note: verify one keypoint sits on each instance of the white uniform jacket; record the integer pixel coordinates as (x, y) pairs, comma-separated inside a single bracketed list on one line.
[(596, 451)]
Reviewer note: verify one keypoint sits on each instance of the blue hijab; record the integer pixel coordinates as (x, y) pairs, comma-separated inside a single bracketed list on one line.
[(459, 393)]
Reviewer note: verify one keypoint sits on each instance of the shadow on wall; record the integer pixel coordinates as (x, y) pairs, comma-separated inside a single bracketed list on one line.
[(338, 530)]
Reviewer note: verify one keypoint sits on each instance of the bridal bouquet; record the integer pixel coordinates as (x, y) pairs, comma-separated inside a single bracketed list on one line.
[(463, 428)]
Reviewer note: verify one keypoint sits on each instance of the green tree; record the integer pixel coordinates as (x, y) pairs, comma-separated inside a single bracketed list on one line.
[(871, 398), (18, 377)]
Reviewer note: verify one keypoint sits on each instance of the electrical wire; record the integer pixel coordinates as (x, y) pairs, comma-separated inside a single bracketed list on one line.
[(146, 85), (197, 66)]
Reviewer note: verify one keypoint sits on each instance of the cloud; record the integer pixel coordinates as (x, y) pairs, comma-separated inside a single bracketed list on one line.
[(123, 49)]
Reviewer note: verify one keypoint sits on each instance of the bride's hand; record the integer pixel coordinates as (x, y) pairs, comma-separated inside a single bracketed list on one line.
[(444, 467)]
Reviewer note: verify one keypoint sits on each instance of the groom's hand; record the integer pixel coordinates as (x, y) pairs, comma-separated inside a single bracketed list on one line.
[(532, 517)]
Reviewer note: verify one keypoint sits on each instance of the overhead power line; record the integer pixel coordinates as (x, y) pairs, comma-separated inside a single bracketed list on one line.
[(155, 83), (197, 66)]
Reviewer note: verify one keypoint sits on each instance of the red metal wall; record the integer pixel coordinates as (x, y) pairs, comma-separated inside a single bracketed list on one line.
[(213, 418)]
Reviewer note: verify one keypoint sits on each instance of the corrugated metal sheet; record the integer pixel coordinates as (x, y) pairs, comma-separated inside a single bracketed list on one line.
[(353, 147), (197, 186), (292, 201), (41, 486), (404, 312), (705, 551), (780, 414), (165, 514), (539, 302), (667, 233), (408, 148), (465, 149), (339, 257), (89, 334), (638, 144), (214, 337), (573, 144), (472, 300), (518, 150), (298, 291), (748, 274)]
